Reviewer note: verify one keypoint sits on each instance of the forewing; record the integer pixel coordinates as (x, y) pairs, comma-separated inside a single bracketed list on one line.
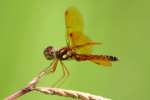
[(74, 26)]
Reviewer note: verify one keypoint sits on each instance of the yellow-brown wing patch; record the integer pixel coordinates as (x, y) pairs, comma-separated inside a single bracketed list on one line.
[(74, 26), (80, 39), (102, 62), (74, 21)]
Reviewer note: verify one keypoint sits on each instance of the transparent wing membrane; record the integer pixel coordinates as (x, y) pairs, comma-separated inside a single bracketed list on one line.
[(75, 33)]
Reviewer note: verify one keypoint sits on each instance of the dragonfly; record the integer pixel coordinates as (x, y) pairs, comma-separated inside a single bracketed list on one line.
[(79, 46)]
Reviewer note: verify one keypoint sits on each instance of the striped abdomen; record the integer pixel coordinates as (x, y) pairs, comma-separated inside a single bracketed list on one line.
[(98, 59)]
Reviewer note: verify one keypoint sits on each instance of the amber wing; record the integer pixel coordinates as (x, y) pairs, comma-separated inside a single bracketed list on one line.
[(75, 33)]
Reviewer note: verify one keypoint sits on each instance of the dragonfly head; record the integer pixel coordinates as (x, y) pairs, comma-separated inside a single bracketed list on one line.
[(50, 53)]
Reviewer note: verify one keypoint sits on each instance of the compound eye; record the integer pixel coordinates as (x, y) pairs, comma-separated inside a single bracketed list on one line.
[(48, 53)]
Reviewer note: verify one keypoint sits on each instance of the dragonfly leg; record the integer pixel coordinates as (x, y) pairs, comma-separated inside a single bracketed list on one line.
[(65, 68), (66, 73), (50, 69), (63, 77)]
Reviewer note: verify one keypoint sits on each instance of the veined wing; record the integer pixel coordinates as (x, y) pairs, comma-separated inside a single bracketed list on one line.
[(75, 36)]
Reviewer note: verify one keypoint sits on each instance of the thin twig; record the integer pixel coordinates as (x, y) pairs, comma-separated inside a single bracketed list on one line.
[(53, 91), (69, 93), (28, 88)]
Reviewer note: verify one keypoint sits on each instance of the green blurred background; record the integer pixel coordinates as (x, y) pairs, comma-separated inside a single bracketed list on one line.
[(28, 26)]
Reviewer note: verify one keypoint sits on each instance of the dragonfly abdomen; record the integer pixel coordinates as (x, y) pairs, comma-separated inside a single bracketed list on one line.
[(82, 57), (112, 58)]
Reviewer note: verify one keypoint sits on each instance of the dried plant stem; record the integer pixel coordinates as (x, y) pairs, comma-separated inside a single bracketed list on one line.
[(53, 91), (69, 93)]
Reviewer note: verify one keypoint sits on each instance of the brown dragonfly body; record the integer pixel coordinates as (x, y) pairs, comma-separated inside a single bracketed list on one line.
[(69, 53)]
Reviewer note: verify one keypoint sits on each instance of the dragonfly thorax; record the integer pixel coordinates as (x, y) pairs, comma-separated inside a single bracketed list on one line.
[(62, 54)]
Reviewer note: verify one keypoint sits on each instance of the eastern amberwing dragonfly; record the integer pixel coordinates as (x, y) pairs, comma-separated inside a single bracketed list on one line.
[(78, 45)]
